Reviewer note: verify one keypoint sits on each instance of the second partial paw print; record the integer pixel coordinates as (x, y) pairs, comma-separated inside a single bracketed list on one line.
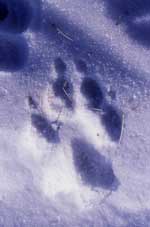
[(15, 18)]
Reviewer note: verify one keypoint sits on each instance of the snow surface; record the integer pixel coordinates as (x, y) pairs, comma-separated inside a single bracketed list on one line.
[(72, 170)]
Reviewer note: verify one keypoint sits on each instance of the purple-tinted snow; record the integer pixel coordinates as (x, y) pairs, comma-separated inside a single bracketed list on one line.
[(74, 113)]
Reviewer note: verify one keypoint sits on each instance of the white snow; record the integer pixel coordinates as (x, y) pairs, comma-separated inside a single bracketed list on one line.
[(42, 175)]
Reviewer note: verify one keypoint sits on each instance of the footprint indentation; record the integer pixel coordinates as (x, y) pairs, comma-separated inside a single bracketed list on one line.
[(92, 91), (32, 103), (63, 89), (18, 15), (60, 66), (13, 52), (3, 11), (81, 66), (93, 167), (44, 127), (112, 121)]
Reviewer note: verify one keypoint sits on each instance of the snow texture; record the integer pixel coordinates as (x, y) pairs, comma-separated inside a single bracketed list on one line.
[(74, 113)]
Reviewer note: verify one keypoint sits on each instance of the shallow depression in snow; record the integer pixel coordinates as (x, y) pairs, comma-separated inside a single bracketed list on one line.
[(74, 113)]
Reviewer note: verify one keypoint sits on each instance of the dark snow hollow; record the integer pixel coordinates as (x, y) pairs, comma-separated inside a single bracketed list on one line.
[(74, 113)]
